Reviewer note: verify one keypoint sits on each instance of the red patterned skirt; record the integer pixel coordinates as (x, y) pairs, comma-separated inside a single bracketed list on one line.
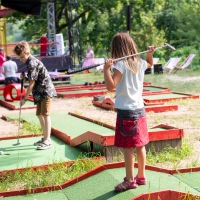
[(131, 129)]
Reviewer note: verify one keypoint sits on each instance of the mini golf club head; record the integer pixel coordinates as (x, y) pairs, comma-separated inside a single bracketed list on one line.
[(169, 46), (16, 144)]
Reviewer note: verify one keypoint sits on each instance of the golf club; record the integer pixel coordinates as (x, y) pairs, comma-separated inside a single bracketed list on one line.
[(93, 66), (22, 85)]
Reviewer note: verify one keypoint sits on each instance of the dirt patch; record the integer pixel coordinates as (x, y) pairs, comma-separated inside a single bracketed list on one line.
[(182, 79)]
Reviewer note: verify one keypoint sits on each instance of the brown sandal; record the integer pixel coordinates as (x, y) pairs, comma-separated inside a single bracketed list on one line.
[(126, 185)]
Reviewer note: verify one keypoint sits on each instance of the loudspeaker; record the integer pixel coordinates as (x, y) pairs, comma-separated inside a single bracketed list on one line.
[(32, 7), (158, 68)]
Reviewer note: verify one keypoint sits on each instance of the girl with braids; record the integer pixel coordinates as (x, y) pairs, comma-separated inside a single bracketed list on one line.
[(131, 124)]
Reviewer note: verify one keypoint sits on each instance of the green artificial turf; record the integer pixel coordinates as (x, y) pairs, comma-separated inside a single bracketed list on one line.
[(55, 195), (153, 88), (68, 124), (26, 154), (164, 96), (17, 103), (101, 186), (191, 178)]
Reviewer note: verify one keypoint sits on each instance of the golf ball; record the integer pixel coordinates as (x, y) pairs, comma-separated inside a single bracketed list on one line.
[(1, 152)]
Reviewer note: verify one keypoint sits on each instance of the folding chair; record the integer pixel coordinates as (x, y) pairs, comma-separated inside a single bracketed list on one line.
[(185, 63), (98, 61), (169, 66)]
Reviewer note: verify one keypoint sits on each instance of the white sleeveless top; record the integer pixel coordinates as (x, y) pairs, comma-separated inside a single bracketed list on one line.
[(130, 87)]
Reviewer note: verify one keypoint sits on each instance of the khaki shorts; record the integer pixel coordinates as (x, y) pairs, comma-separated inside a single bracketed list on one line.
[(43, 108)]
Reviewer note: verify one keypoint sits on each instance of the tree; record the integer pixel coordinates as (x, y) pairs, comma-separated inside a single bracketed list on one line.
[(179, 21), (166, 19), (99, 22), (187, 32)]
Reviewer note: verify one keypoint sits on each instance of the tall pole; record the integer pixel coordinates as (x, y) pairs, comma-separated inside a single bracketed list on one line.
[(128, 18), (74, 34), (51, 34), (3, 34)]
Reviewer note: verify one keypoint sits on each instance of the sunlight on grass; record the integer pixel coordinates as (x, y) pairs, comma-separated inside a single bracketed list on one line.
[(90, 77), (27, 128), (55, 174), (177, 82), (169, 155), (30, 128)]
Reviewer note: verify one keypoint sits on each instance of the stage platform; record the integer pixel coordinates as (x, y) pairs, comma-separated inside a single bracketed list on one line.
[(55, 77), (61, 63)]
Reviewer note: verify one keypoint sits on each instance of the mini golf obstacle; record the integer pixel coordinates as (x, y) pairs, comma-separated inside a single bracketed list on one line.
[(82, 90), (166, 97), (154, 98), (146, 83), (79, 90), (76, 87), (92, 89), (160, 137), (83, 93), (11, 97), (8, 92), (151, 89), (108, 103), (93, 136)]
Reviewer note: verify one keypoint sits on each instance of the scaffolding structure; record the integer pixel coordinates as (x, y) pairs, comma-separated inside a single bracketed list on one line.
[(51, 34), (75, 50)]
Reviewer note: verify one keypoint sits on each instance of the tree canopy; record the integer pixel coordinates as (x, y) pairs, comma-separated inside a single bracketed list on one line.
[(152, 22)]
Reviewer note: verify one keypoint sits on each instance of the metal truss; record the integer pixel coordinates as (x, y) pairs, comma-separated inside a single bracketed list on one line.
[(51, 34), (74, 34)]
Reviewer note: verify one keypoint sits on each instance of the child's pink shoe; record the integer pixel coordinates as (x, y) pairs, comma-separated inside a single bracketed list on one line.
[(140, 181), (126, 185)]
